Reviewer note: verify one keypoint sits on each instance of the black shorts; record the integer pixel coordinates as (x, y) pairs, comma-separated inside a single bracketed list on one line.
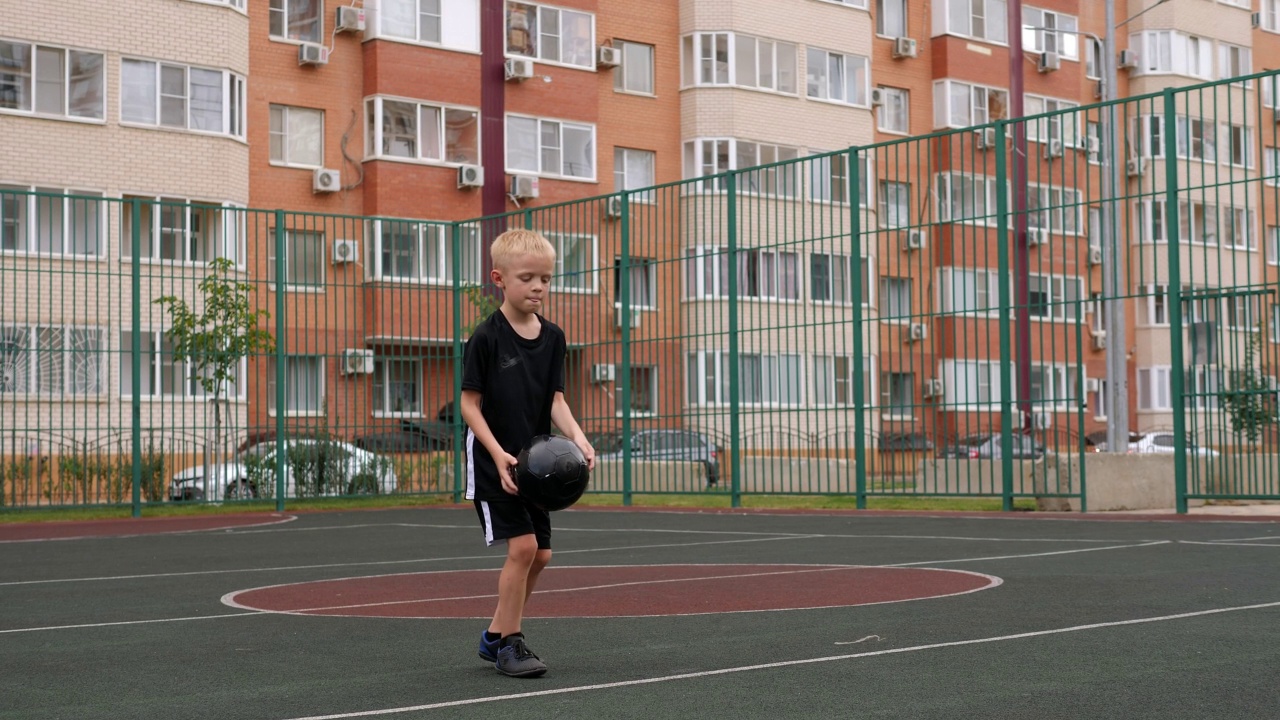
[(505, 519)]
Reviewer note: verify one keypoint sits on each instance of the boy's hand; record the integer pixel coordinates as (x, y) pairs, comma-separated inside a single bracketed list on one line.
[(506, 463), (588, 452)]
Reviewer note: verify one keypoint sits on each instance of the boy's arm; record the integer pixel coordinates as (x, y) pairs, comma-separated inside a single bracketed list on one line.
[(474, 419), (562, 416)]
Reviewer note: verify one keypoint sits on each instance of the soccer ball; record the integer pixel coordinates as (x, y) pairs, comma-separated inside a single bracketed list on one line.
[(551, 472)]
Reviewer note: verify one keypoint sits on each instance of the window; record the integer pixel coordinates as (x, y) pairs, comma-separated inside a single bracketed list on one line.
[(305, 260), (894, 204), (721, 58), (1237, 227), (829, 178), (453, 24), (182, 230), (551, 34), (895, 299), (182, 97), (965, 290), (1093, 143), (1273, 245), (1044, 31), (161, 374), (894, 114), (1157, 304), (304, 389), (1233, 61), (551, 147), (762, 379), (1053, 297), (52, 360), (634, 170), (52, 221), (837, 77), (760, 274), (891, 18), (897, 394), (1064, 127), (301, 20), (641, 282), (1054, 386), (426, 252), (851, 3), (1271, 165), (1197, 139), (967, 198), (1167, 51), (1271, 15), (575, 261), (297, 136), (417, 131), (1147, 136), (971, 382), (635, 75), (51, 81), (1239, 149), (1200, 223), (1092, 59), (1240, 311), (1098, 400), (1053, 208), (978, 19), (1275, 323), (1153, 388), (961, 105), (831, 278), (397, 387), (1201, 386), (833, 380), (643, 399), (706, 157)]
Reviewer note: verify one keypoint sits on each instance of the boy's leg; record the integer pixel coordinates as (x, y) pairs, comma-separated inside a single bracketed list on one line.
[(514, 584)]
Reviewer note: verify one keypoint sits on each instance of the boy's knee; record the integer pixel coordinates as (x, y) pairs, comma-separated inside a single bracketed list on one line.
[(523, 549), (542, 558)]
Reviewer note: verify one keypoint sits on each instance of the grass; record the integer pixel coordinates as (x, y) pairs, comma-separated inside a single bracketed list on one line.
[(715, 500)]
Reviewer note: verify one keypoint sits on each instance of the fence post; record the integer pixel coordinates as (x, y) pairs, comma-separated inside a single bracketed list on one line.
[(455, 238), (735, 446), (624, 317), (135, 349), (281, 380), (855, 294), (1006, 350), (1174, 294)]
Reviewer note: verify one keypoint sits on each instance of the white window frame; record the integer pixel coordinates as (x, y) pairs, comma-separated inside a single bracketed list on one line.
[(232, 98), (1060, 206), (705, 157), (629, 173), (1064, 127), (24, 213), (1273, 245), (317, 254), (286, 135), (59, 357), (888, 409), (458, 22), (1271, 165), (992, 14), (1148, 131), (713, 365), (1237, 145), (894, 114), (1092, 59), (68, 84), (379, 133), (1151, 218), (703, 64), (971, 385), (899, 14), (154, 361), (585, 51), (979, 102), (229, 236), (837, 288), (856, 72), (1270, 11), (945, 187), (828, 173), (279, 10), (540, 152), (643, 272), (430, 244), (1155, 393), (1058, 386), (887, 314), (829, 382), (900, 207), (625, 78), (381, 384), (582, 279), (973, 292), (1234, 61), (651, 391), (1169, 52), (321, 391), (1060, 305), (1066, 42)]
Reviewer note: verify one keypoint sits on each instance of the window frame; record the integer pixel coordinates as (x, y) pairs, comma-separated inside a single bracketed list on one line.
[(377, 140), (540, 151), (1067, 40), (321, 376), (154, 205), (66, 82), (646, 268), (696, 58), (26, 202), (152, 346), (63, 357), (380, 386), (651, 391), (418, 254), (854, 78), (944, 90), (622, 161), (232, 99), (282, 13), (621, 74), (285, 136), (881, 14), (902, 102), (564, 17), (292, 239)]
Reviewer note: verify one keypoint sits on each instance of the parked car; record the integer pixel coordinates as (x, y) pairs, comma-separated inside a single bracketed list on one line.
[(1164, 442), (987, 446), (413, 436), (320, 467), (662, 445)]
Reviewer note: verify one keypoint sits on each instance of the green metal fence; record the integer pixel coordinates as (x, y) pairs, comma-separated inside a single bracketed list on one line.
[(917, 317)]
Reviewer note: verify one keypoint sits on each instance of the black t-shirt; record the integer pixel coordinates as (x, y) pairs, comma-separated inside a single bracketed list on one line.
[(517, 379)]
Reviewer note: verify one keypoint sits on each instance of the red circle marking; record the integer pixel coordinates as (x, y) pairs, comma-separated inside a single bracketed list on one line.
[(615, 591)]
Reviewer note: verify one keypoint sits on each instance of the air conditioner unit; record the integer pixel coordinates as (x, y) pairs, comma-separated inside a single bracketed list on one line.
[(985, 138), (917, 331), (933, 388), (518, 68), (1100, 340), (1255, 19), (877, 96), (524, 187), (613, 207), (1053, 149), (1135, 167), (603, 373), (470, 176), (1092, 385), (1092, 145), (1041, 420), (1049, 62), (345, 251), (617, 317), (904, 47), (324, 180), (313, 54), (1095, 255), (356, 362), (350, 19), (608, 57), (1037, 236), (915, 240), (1128, 59)]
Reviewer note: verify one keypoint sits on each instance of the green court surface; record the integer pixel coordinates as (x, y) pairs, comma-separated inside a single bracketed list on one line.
[(646, 614)]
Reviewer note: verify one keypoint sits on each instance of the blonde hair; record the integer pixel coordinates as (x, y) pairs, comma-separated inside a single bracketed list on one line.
[(518, 243)]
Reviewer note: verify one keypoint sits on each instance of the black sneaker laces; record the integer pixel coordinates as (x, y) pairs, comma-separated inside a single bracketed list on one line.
[(522, 651)]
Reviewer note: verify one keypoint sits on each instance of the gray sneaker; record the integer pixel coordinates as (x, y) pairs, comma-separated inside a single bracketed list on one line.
[(517, 660)]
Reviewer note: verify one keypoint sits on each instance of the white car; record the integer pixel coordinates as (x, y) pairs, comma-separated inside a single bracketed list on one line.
[(324, 467), (1163, 442)]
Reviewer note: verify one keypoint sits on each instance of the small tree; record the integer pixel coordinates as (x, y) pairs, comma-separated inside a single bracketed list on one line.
[(1247, 400), (215, 340)]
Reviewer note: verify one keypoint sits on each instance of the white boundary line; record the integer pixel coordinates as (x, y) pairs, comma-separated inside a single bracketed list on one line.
[(1229, 544), (783, 664), (278, 520)]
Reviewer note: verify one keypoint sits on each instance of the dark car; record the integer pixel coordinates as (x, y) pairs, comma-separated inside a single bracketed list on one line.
[(663, 445), (413, 436), (987, 446)]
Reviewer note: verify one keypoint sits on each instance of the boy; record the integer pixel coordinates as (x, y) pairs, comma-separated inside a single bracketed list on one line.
[(512, 390)]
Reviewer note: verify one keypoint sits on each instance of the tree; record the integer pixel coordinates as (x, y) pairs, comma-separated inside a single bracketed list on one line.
[(215, 340), (1249, 399)]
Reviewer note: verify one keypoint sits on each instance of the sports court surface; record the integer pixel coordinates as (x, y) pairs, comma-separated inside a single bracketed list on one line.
[(645, 614)]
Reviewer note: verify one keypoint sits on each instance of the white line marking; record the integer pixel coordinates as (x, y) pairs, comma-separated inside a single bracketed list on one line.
[(877, 638), (279, 520), (1248, 539), (1230, 544), (785, 663), (131, 622), (1029, 555)]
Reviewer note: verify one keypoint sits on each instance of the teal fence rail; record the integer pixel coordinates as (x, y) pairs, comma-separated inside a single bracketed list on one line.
[(919, 317)]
